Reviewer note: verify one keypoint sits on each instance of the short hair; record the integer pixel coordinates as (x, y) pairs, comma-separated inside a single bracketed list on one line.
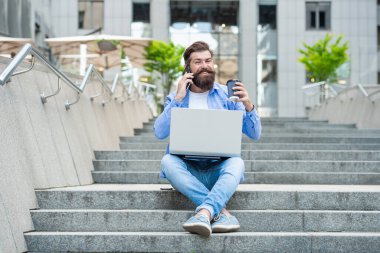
[(198, 46)]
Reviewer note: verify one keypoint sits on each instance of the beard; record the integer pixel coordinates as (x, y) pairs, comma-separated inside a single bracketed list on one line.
[(204, 82)]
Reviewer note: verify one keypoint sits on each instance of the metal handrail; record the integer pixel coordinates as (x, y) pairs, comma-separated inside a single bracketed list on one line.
[(112, 90), (333, 90), (17, 60), (147, 86), (8, 72), (361, 88), (312, 85), (372, 94)]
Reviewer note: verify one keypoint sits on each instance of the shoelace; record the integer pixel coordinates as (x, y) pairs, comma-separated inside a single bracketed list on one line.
[(216, 218)]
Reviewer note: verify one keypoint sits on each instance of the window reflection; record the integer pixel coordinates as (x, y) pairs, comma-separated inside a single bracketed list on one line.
[(212, 22), (141, 20), (90, 14)]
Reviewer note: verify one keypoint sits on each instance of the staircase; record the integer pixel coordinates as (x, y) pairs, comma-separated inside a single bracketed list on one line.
[(310, 187)]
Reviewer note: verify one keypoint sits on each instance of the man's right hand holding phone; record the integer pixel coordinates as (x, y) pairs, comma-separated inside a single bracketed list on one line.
[(187, 78)]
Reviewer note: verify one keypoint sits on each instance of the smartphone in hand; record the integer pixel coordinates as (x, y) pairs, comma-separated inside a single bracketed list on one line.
[(187, 70)]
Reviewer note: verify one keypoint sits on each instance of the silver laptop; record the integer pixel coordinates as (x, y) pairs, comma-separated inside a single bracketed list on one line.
[(200, 133)]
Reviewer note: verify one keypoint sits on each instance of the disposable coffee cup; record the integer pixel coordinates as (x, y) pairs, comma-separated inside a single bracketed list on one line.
[(230, 85)]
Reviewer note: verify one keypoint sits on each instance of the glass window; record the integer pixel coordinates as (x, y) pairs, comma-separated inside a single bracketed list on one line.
[(214, 22), (318, 15), (141, 20), (267, 16), (90, 14)]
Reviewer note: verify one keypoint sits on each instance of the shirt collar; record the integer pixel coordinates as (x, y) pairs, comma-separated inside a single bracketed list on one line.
[(214, 88)]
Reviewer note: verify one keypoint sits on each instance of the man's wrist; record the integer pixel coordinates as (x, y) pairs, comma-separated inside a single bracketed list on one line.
[(249, 106), (178, 98)]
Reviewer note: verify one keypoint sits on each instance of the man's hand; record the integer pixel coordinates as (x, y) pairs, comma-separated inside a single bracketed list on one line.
[(182, 85), (239, 90)]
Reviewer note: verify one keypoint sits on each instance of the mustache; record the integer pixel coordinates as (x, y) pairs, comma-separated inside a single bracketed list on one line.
[(208, 70)]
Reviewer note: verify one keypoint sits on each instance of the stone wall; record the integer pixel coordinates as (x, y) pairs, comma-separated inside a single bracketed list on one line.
[(46, 146), (351, 107)]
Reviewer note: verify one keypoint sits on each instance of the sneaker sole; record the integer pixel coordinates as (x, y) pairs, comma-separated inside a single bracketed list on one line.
[(198, 228), (225, 229)]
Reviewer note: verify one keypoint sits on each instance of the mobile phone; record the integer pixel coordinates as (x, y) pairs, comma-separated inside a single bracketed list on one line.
[(187, 70)]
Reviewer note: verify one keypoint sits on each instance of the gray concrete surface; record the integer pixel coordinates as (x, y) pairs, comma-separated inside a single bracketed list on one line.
[(103, 220), (320, 155), (278, 139), (250, 242), (282, 197), (152, 177), (44, 146), (255, 165), (351, 107)]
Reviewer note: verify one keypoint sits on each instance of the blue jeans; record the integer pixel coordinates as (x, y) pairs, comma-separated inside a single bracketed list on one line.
[(208, 184)]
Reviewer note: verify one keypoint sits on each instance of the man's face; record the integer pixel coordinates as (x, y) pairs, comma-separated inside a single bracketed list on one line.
[(202, 65)]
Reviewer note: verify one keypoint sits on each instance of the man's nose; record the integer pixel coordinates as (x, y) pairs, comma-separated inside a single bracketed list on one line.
[(204, 65)]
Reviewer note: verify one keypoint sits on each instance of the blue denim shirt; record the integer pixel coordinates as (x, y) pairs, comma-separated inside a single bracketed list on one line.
[(217, 99)]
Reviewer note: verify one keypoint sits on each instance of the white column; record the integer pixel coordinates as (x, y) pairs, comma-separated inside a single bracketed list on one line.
[(118, 17), (160, 19), (248, 14), (83, 59)]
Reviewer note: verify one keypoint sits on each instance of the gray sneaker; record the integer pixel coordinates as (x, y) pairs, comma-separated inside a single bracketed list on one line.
[(198, 224), (224, 224)]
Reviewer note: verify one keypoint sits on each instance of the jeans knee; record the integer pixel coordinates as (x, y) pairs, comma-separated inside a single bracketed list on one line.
[(166, 163), (236, 167), (170, 163)]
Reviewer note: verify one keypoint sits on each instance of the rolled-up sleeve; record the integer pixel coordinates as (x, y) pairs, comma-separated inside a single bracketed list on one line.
[(162, 123), (252, 124)]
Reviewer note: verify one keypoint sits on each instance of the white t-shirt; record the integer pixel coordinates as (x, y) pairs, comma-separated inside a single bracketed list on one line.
[(198, 100)]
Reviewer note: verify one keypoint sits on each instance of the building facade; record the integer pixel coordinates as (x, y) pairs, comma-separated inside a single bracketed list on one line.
[(256, 41)]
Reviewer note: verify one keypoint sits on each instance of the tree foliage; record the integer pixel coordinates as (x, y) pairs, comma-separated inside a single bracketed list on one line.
[(322, 59), (165, 58)]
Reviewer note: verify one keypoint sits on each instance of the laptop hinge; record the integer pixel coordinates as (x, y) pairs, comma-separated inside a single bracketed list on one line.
[(199, 157)]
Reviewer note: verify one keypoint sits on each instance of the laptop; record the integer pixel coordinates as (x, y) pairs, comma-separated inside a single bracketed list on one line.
[(207, 134)]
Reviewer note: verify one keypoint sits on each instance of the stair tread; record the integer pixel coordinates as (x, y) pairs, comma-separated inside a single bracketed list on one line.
[(246, 187), (235, 234), (189, 211)]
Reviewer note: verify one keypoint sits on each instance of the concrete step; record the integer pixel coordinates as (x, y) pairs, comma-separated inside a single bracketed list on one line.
[(255, 165), (266, 146), (286, 120), (275, 139), (77, 220), (307, 135), (152, 177), (247, 197), (252, 242), (287, 123), (294, 130), (320, 155)]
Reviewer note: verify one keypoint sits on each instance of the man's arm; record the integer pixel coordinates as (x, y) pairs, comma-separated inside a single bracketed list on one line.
[(251, 120), (252, 124), (162, 123)]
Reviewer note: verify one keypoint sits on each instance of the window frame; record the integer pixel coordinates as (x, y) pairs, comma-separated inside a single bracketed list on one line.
[(318, 9)]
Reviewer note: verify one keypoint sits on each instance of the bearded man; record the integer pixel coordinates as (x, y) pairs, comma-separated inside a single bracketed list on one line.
[(209, 184)]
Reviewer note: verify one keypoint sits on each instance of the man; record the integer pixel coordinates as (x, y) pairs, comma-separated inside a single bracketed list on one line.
[(209, 184)]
